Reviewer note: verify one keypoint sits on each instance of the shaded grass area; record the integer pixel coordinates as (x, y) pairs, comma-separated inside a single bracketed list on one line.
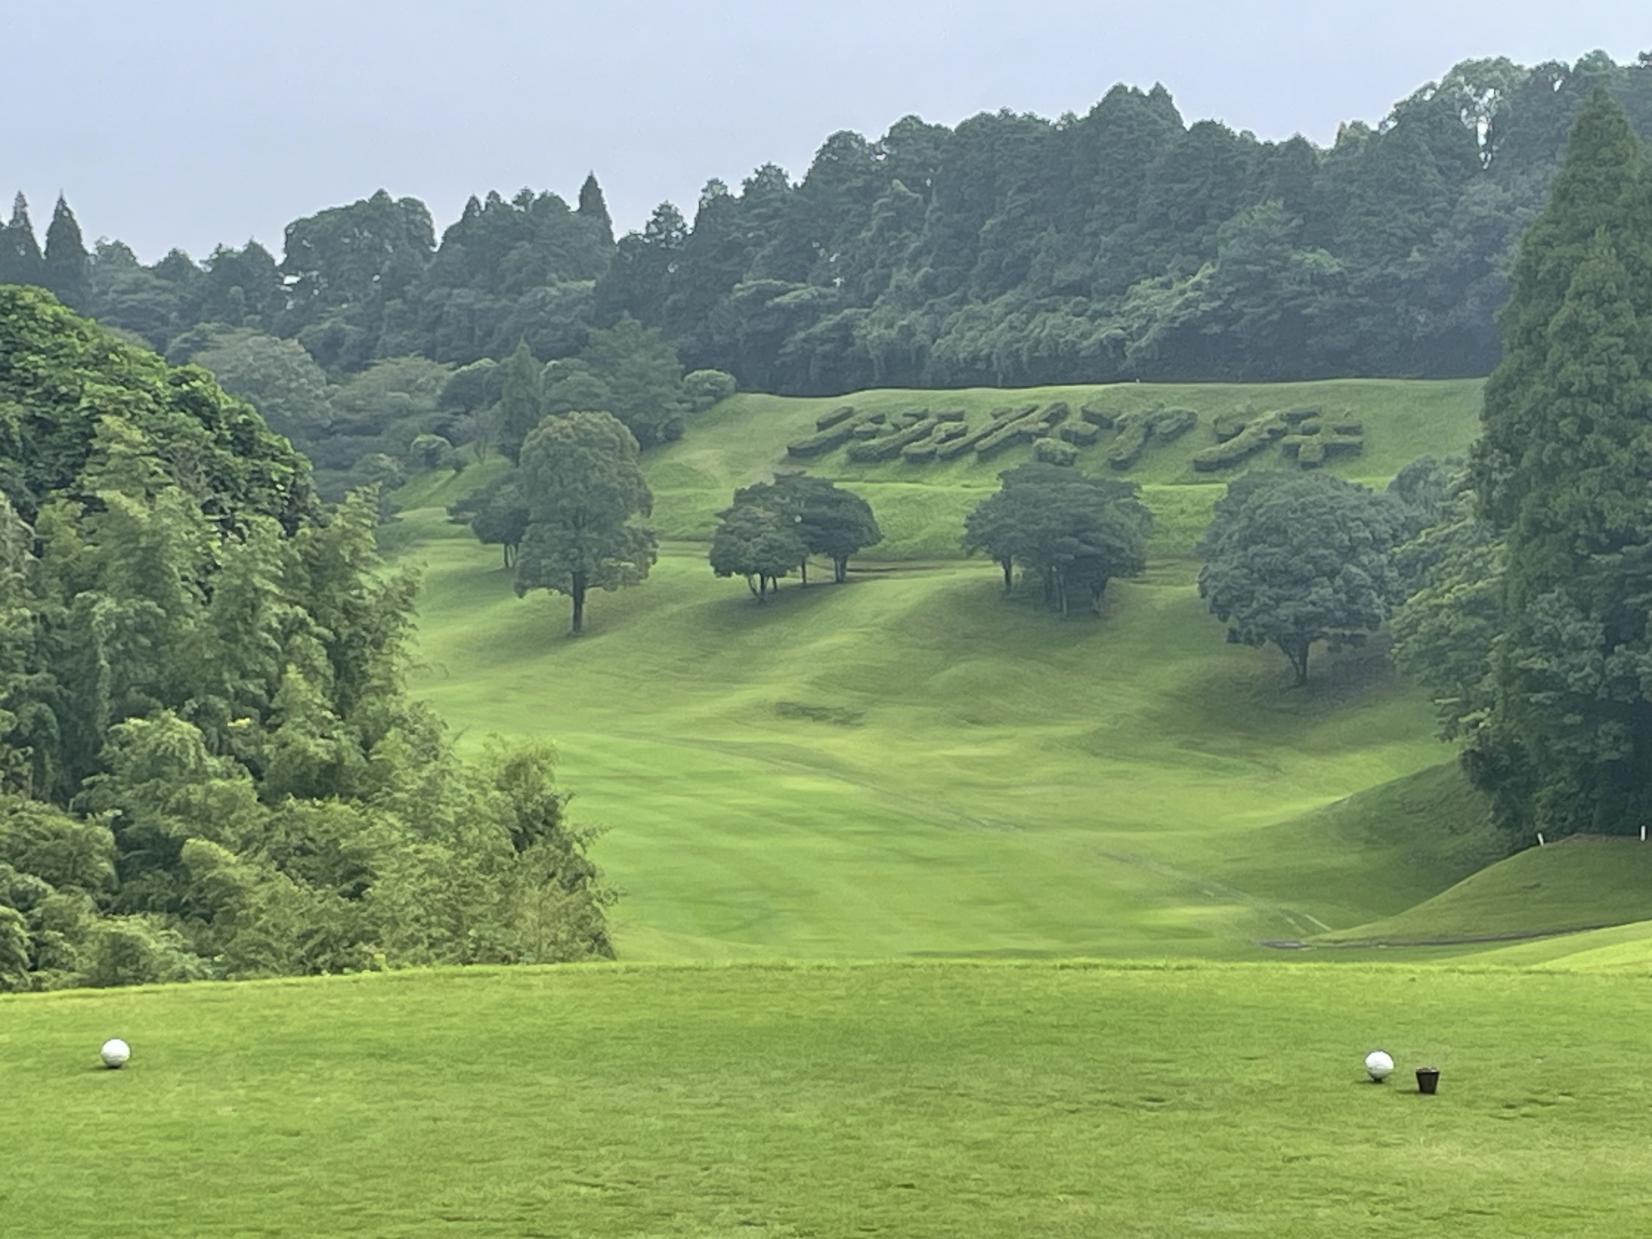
[(1580, 883), (911, 1100)]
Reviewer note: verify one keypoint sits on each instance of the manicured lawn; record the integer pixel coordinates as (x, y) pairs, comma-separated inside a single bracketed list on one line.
[(900, 1100)]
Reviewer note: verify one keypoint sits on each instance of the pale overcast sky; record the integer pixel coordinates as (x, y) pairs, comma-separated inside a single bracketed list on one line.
[(187, 122)]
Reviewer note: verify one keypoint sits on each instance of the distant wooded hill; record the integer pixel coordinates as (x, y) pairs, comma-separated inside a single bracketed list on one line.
[(1009, 250)]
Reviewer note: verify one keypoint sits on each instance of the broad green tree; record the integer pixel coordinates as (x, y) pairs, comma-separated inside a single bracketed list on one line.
[(276, 376), (758, 541), (1294, 560), (1073, 532), (585, 495)]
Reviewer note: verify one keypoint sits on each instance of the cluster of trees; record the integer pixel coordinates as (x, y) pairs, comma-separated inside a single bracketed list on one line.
[(1519, 583), (1533, 617), (1071, 532), (1010, 250), (209, 766), (774, 527)]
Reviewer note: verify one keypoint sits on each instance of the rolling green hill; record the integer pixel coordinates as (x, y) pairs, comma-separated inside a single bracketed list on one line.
[(898, 1099), (1579, 883), (922, 506), (912, 765)]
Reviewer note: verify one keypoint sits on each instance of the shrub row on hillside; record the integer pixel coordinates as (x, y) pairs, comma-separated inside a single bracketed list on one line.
[(1137, 430), (1304, 434)]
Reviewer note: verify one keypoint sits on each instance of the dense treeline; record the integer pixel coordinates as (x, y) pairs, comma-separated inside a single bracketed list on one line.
[(208, 763), (1532, 619), (1011, 250)]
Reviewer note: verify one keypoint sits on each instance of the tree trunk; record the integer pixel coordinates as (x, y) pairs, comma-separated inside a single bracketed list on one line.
[(840, 569), (750, 586), (1296, 651), (505, 553), (577, 593), (762, 588), (803, 570), (1008, 565)]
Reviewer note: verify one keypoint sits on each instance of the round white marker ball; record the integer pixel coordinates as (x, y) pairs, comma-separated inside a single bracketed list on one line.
[(115, 1052), (1378, 1065)]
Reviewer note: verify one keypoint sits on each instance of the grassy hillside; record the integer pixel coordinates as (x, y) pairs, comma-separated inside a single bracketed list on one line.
[(910, 764), (911, 1100), (922, 506), (1579, 883)]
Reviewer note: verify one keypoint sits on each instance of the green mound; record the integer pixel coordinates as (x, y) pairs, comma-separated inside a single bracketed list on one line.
[(954, 1099), (1582, 883)]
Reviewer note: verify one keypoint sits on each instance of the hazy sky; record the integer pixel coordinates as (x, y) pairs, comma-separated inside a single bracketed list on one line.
[(182, 122)]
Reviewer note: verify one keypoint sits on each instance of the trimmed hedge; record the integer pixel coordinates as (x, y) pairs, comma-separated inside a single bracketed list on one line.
[(918, 453), (1231, 425), (827, 420), (1295, 417), (1083, 434), (867, 430), (946, 432), (1055, 414), (1134, 432), (887, 447), (1171, 424), (950, 415), (1054, 452), (1258, 434), (1099, 417), (911, 417), (819, 444)]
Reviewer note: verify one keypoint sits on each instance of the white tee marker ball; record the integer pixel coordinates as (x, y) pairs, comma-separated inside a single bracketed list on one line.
[(115, 1052), (1378, 1065)]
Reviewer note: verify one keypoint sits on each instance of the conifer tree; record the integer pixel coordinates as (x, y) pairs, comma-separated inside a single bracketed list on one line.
[(594, 207), (67, 268), (1567, 743), (20, 260)]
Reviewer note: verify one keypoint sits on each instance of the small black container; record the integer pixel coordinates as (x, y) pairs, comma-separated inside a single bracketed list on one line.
[(1428, 1079)]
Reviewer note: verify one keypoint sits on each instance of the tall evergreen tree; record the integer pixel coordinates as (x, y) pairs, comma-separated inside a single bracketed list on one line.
[(67, 268), (20, 259), (1567, 743), (593, 207)]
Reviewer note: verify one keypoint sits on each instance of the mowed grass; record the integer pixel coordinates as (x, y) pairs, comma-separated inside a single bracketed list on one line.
[(900, 1100), (922, 506), (1582, 883), (912, 765)]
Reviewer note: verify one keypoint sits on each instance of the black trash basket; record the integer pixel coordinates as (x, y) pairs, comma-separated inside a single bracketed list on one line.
[(1428, 1079)]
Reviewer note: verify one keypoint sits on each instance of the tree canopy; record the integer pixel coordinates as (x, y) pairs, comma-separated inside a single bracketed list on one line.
[(209, 765), (1072, 532), (1296, 559), (584, 493), (1122, 243)]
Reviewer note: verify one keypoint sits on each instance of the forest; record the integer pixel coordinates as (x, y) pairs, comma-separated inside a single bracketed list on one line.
[(209, 764), (1009, 250)]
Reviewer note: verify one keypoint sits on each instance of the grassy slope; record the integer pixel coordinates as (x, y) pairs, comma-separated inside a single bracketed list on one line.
[(1011, 783), (911, 1100), (1577, 884), (922, 506)]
